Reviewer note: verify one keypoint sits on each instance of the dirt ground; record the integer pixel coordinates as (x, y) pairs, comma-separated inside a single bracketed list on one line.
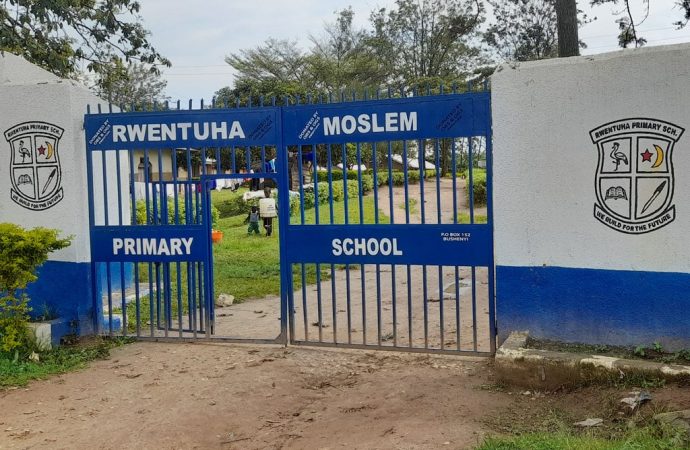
[(431, 201), (259, 318), (223, 396)]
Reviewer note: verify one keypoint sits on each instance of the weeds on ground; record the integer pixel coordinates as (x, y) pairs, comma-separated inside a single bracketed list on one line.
[(554, 429), (498, 386), (18, 372), (654, 352), (411, 206), (464, 218), (650, 437)]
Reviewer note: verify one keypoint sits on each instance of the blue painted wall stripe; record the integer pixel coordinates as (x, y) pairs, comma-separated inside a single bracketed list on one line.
[(595, 306), (65, 288)]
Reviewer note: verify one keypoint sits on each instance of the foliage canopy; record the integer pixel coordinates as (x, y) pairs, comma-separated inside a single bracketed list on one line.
[(59, 35)]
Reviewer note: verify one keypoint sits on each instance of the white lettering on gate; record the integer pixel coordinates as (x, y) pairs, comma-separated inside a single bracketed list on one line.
[(157, 132), (331, 126), (198, 134), (236, 131), (119, 133), (365, 247), (152, 246), (370, 123)]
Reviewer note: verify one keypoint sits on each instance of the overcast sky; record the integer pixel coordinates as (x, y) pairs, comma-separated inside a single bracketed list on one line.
[(196, 35)]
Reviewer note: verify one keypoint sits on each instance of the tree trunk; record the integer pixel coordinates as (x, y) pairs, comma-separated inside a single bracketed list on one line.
[(445, 158), (568, 40)]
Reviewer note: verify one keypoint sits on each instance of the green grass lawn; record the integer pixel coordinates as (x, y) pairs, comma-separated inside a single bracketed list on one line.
[(464, 218), (245, 266), (353, 213), (248, 266)]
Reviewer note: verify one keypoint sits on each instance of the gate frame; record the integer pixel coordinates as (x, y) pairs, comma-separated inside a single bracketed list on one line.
[(282, 176), (484, 95), (206, 181)]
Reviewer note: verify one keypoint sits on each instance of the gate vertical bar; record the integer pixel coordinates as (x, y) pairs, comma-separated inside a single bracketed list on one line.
[(287, 307), (490, 222), (97, 301)]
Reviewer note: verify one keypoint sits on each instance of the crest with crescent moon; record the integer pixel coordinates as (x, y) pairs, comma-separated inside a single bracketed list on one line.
[(634, 181), (35, 172)]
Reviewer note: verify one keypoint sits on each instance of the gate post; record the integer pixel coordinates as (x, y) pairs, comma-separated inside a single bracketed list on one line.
[(46, 187)]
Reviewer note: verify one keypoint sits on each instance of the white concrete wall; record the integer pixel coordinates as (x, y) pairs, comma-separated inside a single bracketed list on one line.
[(545, 161), (28, 93), (166, 165), (16, 70)]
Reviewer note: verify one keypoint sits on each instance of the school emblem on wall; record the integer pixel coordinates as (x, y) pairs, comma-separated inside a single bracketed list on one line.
[(35, 171), (634, 180)]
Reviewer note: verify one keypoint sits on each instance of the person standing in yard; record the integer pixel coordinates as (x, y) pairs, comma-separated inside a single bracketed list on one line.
[(267, 210), (253, 219)]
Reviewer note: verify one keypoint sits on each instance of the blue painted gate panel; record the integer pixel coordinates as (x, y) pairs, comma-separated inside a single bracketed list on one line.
[(384, 218), (388, 253)]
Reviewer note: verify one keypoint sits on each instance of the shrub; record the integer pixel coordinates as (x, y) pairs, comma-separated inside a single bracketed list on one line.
[(14, 320), (155, 216), (338, 192), (337, 174), (294, 204), (21, 253), (308, 199), (215, 215), (398, 177), (233, 206), (367, 183), (479, 186), (325, 194)]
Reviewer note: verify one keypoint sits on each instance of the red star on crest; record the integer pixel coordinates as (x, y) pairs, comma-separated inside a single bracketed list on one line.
[(42, 150), (647, 156)]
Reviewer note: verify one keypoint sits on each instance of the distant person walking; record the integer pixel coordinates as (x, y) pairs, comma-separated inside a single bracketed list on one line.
[(267, 210), (253, 219)]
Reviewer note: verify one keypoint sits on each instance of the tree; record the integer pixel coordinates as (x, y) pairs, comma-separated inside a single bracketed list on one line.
[(685, 6), (340, 60), (568, 41), (277, 68), (280, 60), (427, 44), (628, 25), (59, 35), (247, 91), (416, 43), (130, 85), (524, 30), (424, 41)]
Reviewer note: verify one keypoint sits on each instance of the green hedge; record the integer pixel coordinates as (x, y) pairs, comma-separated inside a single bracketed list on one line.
[(337, 175), (338, 193), (479, 186), (399, 177), (381, 177), (234, 205), (155, 216)]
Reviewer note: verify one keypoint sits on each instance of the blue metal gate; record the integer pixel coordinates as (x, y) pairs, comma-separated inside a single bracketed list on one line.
[(385, 220)]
